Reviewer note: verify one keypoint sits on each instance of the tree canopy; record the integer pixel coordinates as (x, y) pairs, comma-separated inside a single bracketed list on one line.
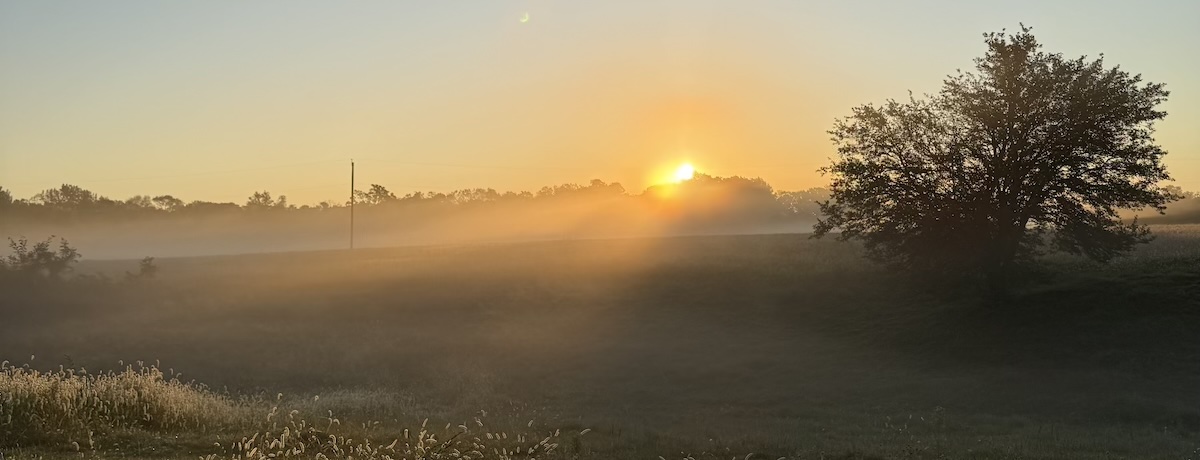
[(1029, 151)]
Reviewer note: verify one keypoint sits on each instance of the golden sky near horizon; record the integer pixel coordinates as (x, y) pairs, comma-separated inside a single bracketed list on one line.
[(215, 100)]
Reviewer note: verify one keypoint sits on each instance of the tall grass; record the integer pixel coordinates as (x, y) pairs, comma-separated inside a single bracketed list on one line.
[(40, 407), (74, 408), (299, 439)]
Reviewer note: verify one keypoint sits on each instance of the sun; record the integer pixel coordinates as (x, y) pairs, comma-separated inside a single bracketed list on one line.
[(684, 172)]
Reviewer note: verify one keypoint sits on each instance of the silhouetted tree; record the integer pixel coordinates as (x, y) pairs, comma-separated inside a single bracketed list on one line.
[(67, 196), (1029, 149), (167, 203), (510, 195), (260, 200), (804, 202), (378, 194), (474, 195), (6, 198), (327, 204), (140, 201), (600, 187), (1180, 193)]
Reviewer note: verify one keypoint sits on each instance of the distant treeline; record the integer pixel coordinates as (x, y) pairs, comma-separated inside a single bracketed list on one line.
[(736, 195), (166, 225), (1184, 211)]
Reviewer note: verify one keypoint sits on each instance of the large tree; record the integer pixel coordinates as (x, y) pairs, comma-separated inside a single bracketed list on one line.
[(1030, 150)]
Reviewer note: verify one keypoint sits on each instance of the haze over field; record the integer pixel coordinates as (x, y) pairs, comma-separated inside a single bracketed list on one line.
[(690, 204)]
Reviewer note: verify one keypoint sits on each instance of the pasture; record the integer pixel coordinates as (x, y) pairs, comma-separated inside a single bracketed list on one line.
[(710, 347)]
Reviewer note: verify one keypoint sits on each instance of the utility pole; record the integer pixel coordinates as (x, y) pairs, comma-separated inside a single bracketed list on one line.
[(351, 203)]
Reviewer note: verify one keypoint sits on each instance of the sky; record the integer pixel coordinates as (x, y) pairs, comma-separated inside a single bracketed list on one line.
[(213, 100)]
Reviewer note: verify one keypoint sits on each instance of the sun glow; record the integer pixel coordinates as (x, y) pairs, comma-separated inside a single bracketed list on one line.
[(684, 172)]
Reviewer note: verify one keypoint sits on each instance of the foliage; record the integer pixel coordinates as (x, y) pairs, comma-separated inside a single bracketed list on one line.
[(67, 197), (167, 203), (804, 202), (1180, 193), (263, 200), (140, 201), (1030, 151), (378, 194), (40, 260), (260, 199)]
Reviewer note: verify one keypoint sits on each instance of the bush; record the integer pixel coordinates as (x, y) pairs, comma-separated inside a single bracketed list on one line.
[(39, 260), (146, 270)]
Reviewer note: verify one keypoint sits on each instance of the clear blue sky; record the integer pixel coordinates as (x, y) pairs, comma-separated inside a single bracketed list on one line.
[(216, 99)]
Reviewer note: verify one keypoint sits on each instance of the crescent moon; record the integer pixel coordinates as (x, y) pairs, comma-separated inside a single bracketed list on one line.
[(525, 18)]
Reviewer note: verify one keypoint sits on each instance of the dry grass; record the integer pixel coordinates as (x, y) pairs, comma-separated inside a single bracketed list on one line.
[(298, 439), (76, 411), (75, 405)]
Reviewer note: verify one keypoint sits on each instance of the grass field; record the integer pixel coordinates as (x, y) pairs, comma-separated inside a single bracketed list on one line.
[(713, 347)]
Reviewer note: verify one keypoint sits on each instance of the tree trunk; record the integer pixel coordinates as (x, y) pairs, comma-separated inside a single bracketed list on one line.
[(1001, 264)]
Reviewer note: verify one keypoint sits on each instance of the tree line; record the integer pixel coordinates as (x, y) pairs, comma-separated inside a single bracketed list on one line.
[(72, 201)]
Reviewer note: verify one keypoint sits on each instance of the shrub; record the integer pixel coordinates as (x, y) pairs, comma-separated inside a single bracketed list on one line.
[(146, 270), (39, 260)]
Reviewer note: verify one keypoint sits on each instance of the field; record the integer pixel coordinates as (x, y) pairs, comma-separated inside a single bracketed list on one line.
[(710, 347)]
